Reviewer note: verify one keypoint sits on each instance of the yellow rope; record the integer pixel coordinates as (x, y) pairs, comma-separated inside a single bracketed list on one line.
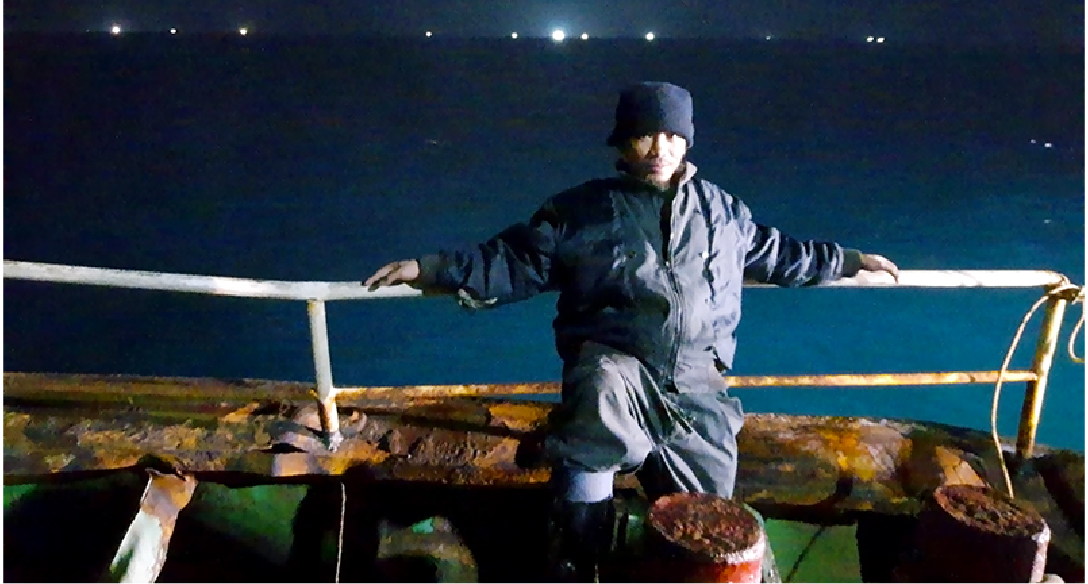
[(1077, 328), (1064, 288)]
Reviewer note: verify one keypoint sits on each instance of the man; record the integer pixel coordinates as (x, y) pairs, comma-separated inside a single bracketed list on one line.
[(649, 266)]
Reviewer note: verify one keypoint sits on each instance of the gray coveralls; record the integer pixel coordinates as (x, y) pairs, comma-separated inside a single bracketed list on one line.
[(615, 415), (649, 288)]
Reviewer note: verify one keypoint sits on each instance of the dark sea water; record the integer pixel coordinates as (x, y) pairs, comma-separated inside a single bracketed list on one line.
[(321, 159)]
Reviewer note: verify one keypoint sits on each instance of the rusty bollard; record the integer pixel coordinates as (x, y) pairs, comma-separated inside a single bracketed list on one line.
[(702, 538), (968, 533)]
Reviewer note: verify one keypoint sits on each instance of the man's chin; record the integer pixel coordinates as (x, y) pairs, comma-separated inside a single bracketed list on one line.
[(655, 174), (661, 176)]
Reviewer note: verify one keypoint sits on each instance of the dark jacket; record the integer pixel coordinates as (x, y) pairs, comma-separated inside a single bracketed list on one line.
[(602, 245)]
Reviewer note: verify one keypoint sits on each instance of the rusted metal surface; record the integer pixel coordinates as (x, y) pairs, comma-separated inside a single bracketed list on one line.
[(177, 392), (697, 537), (968, 533), (823, 468), (432, 391), (56, 424), (126, 388), (750, 381), (835, 463), (59, 424)]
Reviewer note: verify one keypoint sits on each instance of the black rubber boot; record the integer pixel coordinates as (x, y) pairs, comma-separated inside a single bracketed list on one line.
[(581, 535)]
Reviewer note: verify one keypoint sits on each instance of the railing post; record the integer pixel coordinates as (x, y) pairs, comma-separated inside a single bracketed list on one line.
[(1033, 394), (326, 393)]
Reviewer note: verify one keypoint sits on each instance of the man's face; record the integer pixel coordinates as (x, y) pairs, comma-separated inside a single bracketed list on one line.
[(655, 157)]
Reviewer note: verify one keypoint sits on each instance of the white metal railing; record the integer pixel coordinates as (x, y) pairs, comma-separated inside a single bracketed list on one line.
[(294, 290), (316, 293)]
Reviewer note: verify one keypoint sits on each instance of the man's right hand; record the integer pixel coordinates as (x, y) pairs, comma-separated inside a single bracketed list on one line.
[(400, 272)]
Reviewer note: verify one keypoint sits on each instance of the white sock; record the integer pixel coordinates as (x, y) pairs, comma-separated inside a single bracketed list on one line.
[(582, 486)]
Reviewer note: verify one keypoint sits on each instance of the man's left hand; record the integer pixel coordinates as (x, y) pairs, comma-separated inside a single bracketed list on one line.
[(876, 263)]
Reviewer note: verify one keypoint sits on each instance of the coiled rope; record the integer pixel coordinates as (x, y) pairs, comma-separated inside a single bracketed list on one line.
[(1073, 294)]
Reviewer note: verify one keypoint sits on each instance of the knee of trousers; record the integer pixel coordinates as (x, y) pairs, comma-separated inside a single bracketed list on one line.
[(604, 430), (693, 466)]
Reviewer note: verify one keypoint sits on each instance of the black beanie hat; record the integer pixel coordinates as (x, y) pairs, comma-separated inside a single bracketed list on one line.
[(651, 107)]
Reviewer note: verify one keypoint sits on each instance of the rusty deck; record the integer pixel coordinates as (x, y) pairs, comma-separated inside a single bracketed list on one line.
[(823, 468)]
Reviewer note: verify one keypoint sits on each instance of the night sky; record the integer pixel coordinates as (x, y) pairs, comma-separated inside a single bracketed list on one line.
[(1020, 22)]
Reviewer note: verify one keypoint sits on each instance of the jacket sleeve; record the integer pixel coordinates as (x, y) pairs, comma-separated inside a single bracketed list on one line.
[(776, 258), (511, 266)]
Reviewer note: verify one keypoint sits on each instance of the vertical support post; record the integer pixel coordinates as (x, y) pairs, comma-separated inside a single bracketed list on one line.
[(1033, 394), (326, 393)]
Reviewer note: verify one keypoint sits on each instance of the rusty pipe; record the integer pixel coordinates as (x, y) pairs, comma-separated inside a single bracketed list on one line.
[(1045, 347), (750, 381)]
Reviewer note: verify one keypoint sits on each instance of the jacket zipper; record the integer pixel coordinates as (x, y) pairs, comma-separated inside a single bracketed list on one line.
[(674, 285)]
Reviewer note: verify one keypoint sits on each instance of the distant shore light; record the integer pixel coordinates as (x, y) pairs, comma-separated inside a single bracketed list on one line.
[(870, 39), (558, 35), (585, 36), (173, 31), (428, 33), (769, 37), (115, 29), (880, 39), (243, 31), (649, 36), (513, 35)]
